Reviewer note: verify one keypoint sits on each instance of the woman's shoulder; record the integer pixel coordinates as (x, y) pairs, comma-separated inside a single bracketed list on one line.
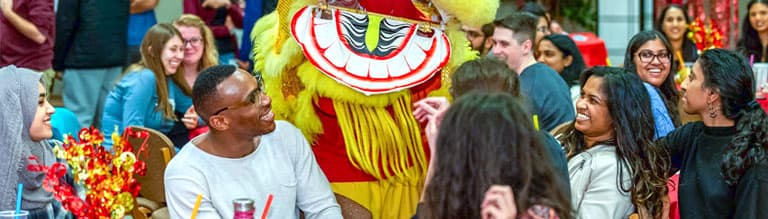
[(598, 157), (138, 76), (688, 129)]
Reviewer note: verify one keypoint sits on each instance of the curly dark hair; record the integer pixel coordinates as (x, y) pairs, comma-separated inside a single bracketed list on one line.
[(668, 89), (729, 74), (486, 138), (749, 43), (629, 106)]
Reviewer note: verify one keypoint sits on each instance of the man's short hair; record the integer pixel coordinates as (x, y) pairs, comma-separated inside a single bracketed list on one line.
[(487, 29), (536, 9), (205, 89), (522, 24)]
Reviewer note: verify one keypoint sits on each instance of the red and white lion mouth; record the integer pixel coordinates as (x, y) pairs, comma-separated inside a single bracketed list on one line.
[(337, 45)]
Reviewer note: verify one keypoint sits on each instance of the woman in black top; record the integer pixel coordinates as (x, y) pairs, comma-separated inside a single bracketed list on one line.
[(722, 159)]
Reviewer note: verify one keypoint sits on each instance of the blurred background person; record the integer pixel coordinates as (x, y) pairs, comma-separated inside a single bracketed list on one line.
[(27, 35), (90, 50), (141, 19), (673, 23), (479, 38), (199, 50), (560, 53), (146, 96), (199, 53), (542, 23), (754, 31), (222, 17)]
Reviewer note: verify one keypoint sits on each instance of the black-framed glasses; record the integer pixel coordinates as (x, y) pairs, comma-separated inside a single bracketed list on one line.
[(194, 41), (253, 97), (648, 56)]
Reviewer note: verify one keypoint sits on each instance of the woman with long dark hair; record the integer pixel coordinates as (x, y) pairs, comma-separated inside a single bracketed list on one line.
[(754, 31), (722, 159), (673, 23), (649, 55), (614, 166), (485, 139)]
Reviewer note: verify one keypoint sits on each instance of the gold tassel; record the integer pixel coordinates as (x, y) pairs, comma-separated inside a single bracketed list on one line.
[(383, 144)]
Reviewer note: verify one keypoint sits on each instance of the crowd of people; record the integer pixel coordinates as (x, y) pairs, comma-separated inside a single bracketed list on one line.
[(528, 131)]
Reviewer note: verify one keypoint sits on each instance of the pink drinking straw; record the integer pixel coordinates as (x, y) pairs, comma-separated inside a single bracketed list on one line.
[(751, 59), (266, 208)]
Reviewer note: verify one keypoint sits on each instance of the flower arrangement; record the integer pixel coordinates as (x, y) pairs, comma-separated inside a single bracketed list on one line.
[(107, 177), (706, 35)]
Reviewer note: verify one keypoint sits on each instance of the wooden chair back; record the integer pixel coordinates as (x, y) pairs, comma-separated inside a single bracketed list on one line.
[(159, 152)]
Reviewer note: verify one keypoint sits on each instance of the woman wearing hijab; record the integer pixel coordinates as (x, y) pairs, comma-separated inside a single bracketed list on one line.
[(24, 140)]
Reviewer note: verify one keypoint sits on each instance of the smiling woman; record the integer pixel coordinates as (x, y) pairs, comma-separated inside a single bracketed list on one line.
[(24, 133), (754, 31), (610, 139), (649, 56), (673, 23), (146, 96)]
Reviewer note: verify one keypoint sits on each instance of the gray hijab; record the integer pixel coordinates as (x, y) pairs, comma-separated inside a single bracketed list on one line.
[(19, 94)]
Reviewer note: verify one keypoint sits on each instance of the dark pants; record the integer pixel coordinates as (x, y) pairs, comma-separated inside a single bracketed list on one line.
[(134, 55)]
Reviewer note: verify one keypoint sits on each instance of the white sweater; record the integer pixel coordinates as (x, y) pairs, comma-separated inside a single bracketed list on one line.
[(595, 192), (283, 165)]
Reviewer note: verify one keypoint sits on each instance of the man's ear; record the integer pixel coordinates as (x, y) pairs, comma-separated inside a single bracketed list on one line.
[(488, 43), (528, 46), (218, 122)]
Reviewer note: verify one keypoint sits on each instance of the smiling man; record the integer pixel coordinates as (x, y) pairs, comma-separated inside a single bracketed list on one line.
[(544, 88), (246, 154)]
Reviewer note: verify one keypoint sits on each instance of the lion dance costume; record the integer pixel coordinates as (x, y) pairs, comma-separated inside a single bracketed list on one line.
[(347, 73)]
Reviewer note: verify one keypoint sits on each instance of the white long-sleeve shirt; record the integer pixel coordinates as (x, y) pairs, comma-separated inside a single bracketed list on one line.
[(282, 165)]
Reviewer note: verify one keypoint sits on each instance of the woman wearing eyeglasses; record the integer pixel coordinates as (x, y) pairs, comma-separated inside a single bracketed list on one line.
[(649, 56), (199, 53), (199, 50), (146, 96)]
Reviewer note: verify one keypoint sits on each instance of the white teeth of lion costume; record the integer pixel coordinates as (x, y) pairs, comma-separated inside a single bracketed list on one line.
[(347, 72)]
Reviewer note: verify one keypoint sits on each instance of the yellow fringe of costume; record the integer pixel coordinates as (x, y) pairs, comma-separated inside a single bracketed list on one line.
[(371, 135)]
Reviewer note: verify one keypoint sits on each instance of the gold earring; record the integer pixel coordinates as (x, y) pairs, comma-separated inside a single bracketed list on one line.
[(711, 109)]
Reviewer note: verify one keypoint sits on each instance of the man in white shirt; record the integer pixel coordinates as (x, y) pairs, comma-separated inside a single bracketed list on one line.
[(246, 154)]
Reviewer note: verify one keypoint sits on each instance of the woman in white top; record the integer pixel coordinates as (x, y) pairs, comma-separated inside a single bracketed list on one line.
[(612, 136)]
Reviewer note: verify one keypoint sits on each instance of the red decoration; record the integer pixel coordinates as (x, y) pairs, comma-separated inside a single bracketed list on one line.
[(705, 36), (106, 176)]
